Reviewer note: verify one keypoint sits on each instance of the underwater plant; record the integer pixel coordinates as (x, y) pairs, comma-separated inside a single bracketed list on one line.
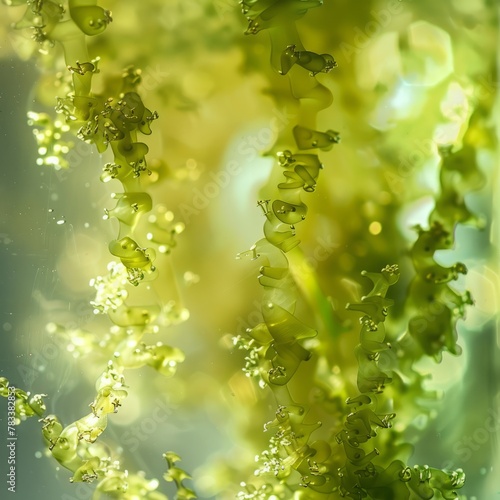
[(366, 137)]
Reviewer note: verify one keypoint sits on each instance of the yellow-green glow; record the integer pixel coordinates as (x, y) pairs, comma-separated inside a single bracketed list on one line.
[(352, 150)]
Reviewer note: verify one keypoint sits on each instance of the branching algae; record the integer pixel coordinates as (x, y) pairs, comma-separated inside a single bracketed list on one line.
[(277, 346), (340, 401), (112, 119)]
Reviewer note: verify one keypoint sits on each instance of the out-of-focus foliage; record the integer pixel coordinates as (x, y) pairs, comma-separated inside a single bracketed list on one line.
[(365, 135)]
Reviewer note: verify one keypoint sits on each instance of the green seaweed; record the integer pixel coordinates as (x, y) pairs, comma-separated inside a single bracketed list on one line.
[(341, 404)]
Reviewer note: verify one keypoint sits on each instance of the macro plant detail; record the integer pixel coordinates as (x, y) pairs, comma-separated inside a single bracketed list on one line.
[(366, 137), (459, 172), (111, 119)]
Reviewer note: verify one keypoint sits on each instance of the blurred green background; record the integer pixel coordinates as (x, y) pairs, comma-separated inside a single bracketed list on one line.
[(408, 79)]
